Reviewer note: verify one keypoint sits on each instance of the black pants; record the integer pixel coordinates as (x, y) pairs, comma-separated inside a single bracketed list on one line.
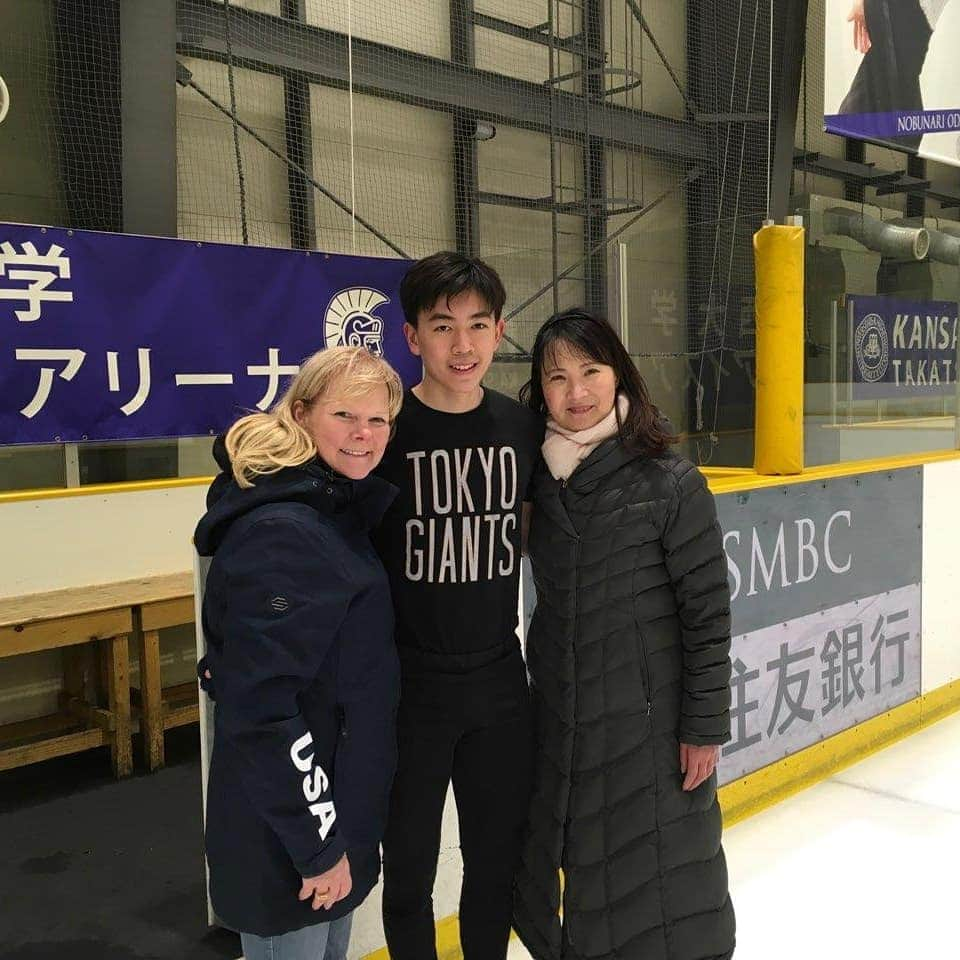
[(888, 79), (475, 730)]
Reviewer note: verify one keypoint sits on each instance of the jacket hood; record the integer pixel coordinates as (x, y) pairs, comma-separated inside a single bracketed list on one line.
[(225, 477), (313, 483)]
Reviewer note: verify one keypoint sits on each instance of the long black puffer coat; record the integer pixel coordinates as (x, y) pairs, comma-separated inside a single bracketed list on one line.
[(628, 655)]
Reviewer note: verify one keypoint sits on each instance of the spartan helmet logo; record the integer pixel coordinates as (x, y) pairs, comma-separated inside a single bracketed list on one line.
[(349, 320)]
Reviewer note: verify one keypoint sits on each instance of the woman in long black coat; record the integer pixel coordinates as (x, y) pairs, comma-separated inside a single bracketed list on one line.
[(628, 654)]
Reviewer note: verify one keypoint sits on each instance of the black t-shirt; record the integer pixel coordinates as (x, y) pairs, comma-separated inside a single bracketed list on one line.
[(451, 540)]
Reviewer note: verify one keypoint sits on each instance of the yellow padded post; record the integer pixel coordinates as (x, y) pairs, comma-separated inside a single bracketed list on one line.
[(778, 255)]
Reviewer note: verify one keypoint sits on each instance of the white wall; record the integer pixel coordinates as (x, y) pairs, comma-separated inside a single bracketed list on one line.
[(423, 26), (73, 541), (78, 540), (208, 184), (403, 174), (941, 574)]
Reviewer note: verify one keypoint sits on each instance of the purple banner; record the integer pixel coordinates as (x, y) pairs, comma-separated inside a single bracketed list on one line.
[(902, 348), (109, 336), (893, 125)]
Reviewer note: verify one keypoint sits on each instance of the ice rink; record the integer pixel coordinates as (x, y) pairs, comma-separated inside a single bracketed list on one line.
[(859, 866)]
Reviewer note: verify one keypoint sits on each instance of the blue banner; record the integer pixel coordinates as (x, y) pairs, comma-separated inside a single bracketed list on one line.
[(901, 348), (110, 336), (893, 124)]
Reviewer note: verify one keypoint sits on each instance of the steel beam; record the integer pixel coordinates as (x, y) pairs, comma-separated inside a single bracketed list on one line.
[(917, 168), (466, 173), (299, 144), (702, 194), (858, 175), (537, 34), (87, 99), (274, 45), (594, 160), (854, 152), (789, 34), (148, 116)]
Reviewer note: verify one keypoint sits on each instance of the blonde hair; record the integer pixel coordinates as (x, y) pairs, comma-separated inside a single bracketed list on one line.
[(264, 443)]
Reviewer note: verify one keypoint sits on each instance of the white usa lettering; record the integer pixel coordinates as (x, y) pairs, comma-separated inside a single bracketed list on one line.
[(315, 784)]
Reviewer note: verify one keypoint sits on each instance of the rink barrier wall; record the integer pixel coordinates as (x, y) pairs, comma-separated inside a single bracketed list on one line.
[(101, 489), (720, 479), (771, 784), (725, 480), (80, 535)]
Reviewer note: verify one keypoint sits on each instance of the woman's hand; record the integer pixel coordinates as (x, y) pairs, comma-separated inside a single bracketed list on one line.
[(861, 36), (327, 888), (696, 764)]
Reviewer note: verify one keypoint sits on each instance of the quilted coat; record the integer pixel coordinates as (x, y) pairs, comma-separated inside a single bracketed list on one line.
[(628, 654)]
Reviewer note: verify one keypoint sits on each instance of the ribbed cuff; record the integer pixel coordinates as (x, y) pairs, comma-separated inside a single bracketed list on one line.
[(328, 857)]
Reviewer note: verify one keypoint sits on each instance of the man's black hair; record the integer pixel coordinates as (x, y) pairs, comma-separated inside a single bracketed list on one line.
[(445, 275)]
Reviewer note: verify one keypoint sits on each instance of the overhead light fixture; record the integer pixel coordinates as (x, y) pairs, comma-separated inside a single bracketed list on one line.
[(4, 100), (484, 131)]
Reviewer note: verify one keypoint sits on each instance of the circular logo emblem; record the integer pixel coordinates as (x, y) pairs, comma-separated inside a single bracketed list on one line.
[(350, 320), (871, 348)]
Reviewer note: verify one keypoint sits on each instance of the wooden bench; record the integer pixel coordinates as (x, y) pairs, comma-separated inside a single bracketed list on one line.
[(160, 708), (92, 624)]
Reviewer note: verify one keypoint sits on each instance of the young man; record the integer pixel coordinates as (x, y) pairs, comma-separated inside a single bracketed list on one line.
[(462, 456)]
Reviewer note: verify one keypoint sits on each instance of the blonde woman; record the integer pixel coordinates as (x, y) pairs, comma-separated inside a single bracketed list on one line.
[(299, 624)]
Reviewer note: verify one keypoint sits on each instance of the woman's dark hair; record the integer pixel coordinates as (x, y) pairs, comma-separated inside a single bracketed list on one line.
[(584, 334), (445, 275)]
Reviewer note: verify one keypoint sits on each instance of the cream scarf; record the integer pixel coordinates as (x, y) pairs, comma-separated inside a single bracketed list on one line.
[(564, 450)]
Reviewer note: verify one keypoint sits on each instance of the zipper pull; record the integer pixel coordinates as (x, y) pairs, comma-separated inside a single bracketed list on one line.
[(649, 707)]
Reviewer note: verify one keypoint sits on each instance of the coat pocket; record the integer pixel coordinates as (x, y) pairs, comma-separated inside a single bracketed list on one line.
[(640, 645)]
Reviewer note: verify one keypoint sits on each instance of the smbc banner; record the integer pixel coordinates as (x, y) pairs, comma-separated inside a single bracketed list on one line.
[(890, 74), (826, 590)]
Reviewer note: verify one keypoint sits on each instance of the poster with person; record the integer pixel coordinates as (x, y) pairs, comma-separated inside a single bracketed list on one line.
[(889, 74)]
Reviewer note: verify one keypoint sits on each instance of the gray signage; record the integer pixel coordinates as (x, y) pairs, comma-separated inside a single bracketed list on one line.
[(799, 682), (825, 586), (806, 547)]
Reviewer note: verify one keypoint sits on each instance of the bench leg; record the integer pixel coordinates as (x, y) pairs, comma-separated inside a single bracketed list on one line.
[(80, 675), (116, 659), (73, 683), (151, 698)]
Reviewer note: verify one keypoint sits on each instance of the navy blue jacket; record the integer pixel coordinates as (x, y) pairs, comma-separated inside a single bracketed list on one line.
[(299, 625)]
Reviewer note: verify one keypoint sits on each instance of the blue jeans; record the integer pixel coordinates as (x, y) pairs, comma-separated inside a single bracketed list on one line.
[(322, 941)]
